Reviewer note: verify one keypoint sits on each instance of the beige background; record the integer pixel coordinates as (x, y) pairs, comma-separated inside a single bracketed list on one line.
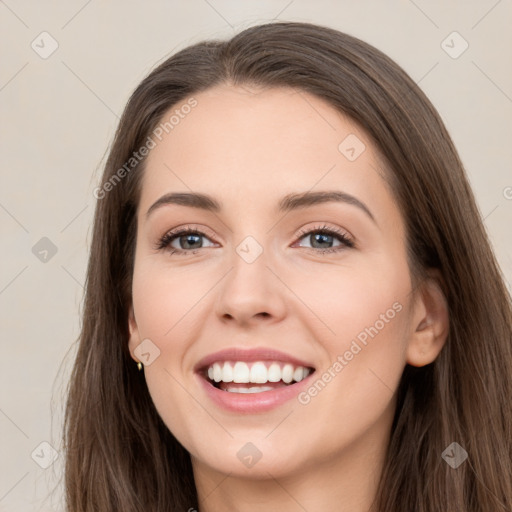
[(58, 116)]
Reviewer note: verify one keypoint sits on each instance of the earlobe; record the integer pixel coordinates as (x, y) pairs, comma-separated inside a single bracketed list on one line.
[(134, 339), (430, 322)]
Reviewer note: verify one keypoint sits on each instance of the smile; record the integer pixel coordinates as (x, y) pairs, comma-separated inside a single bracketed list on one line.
[(239, 376), (252, 381)]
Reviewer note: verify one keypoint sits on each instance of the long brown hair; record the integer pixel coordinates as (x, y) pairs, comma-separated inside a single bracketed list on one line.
[(120, 456)]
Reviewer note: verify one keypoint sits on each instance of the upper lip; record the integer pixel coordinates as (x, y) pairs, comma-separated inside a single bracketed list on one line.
[(244, 354)]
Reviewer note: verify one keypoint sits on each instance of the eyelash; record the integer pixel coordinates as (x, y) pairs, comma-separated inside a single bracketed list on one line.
[(169, 237)]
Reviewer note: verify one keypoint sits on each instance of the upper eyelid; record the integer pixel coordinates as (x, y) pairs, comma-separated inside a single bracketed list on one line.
[(303, 230), (189, 227), (301, 233)]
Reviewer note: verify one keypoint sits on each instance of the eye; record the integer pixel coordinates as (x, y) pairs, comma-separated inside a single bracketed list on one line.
[(187, 240), (319, 237)]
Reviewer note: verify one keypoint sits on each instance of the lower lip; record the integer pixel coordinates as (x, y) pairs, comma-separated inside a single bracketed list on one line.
[(252, 402)]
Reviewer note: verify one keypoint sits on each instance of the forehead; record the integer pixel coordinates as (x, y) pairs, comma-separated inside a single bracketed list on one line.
[(260, 140)]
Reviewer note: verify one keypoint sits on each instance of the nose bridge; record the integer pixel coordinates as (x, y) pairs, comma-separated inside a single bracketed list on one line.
[(250, 288), (250, 272), (250, 250)]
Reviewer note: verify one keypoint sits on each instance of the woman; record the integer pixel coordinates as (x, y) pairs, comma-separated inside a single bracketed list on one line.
[(371, 373)]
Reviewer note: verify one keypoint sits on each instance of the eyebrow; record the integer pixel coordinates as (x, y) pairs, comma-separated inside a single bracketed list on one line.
[(288, 203)]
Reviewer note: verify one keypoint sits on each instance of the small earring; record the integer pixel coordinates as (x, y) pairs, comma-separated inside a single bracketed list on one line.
[(139, 366)]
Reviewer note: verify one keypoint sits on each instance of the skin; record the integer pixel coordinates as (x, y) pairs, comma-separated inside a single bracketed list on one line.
[(249, 147)]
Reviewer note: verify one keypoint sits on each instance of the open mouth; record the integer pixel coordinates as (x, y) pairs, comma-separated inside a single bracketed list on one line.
[(253, 377)]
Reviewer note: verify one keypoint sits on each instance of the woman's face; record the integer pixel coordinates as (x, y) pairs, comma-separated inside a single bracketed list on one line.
[(307, 299)]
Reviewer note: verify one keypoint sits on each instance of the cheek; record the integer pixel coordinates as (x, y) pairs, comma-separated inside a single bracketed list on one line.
[(354, 392), (371, 356), (363, 333), (346, 299), (164, 301)]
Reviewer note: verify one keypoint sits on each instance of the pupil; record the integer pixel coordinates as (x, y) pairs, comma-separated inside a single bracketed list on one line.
[(318, 238), (188, 238), (324, 236)]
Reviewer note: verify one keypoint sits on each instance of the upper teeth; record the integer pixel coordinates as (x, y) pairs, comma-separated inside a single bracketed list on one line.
[(257, 372)]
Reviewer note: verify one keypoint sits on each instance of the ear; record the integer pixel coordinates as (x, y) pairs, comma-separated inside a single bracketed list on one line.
[(134, 339), (431, 322)]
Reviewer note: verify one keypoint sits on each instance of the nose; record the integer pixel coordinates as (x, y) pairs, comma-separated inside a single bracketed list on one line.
[(250, 293)]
